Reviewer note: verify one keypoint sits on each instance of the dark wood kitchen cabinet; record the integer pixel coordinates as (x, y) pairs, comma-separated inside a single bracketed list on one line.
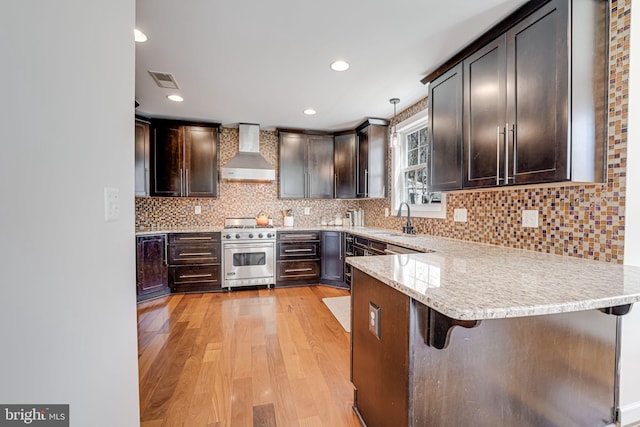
[(185, 159), (151, 266), (534, 97), (372, 159), (332, 258), (142, 157), (445, 131), (537, 97), (345, 165), (516, 97), (297, 258), (485, 115), (194, 262), (306, 166)]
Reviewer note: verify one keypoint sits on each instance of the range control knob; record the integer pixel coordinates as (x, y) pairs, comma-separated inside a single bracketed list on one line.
[(251, 235), (238, 236), (269, 235), (228, 236), (260, 236)]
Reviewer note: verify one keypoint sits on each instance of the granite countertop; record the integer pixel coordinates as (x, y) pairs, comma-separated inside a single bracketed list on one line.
[(474, 281)]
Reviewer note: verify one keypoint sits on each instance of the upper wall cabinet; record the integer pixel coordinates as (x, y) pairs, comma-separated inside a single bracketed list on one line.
[(142, 156), (372, 159), (533, 101), (345, 165), (306, 166), (445, 117), (185, 160)]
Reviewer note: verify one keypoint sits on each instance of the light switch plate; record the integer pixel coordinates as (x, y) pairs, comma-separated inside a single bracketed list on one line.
[(111, 204), (386, 211), (307, 211), (374, 319), (530, 218), (460, 215), (198, 210)]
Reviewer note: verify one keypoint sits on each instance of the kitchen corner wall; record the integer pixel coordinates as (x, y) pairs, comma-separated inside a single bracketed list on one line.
[(586, 221), (236, 198)]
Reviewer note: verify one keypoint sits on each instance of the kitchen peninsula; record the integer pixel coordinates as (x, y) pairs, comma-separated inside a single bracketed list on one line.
[(494, 335)]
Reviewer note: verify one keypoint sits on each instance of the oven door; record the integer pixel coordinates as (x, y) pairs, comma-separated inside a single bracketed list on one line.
[(248, 264)]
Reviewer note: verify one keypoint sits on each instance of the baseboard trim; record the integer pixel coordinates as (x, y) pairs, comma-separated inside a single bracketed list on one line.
[(630, 414)]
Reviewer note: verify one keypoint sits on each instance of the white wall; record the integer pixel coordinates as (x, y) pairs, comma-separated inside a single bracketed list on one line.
[(630, 355), (67, 291)]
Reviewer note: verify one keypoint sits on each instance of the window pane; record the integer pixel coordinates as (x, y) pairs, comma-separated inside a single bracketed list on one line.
[(423, 154), (412, 157), (412, 140), (423, 136)]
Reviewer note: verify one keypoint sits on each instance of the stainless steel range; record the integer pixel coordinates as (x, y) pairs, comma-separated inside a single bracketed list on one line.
[(248, 253)]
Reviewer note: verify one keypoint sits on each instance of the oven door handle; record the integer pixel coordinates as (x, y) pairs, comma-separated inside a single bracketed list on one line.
[(249, 246)]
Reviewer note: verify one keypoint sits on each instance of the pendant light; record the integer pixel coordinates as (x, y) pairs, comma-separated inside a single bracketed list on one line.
[(394, 134)]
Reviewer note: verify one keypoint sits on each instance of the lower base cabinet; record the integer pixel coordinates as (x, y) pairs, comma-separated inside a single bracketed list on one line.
[(151, 267), (194, 262), (297, 258), (332, 259)]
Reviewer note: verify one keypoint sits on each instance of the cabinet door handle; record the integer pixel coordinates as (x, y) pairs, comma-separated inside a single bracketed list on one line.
[(297, 270), (195, 238), (366, 183), (165, 252), (146, 188), (194, 253), (506, 153), (186, 182), (497, 156), (515, 142), (194, 276), (181, 182), (298, 250), (298, 236), (335, 185)]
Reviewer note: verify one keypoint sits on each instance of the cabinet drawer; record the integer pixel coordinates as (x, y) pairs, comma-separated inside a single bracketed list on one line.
[(286, 236), (298, 250), (297, 270), (194, 238), (195, 275), (377, 247), (363, 242), (194, 254)]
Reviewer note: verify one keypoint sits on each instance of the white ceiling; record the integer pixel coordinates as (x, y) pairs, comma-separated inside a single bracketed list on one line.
[(265, 61)]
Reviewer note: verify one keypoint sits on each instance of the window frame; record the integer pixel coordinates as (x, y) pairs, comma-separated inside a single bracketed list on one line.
[(398, 154)]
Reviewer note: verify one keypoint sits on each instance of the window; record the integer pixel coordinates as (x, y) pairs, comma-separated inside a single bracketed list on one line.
[(411, 170)]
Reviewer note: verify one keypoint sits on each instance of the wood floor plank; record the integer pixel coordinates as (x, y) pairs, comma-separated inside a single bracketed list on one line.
[(264, 416), (248, 357)]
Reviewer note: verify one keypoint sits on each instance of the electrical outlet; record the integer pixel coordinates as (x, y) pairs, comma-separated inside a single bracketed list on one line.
[(374, 319), (530, 218), (386, 211), (111, 204), (198, 210), (307, 211), (460, 215)]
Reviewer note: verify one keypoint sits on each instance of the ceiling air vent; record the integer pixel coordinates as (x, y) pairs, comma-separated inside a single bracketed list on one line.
[(164, 80)]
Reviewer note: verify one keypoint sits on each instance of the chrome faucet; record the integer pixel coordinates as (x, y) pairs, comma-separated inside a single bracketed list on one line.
[(408, 229)]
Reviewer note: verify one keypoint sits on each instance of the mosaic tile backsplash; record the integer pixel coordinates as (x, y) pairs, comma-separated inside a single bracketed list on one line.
[(585, 221)]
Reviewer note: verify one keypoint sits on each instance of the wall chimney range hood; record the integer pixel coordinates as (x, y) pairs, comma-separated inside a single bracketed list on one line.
[(248, 164)]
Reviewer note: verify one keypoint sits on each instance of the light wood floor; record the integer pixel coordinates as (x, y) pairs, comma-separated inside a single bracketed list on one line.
[(246, 358)]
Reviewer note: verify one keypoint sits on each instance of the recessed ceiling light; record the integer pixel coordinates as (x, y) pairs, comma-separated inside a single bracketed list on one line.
[(340, 65), (175, 98), (309, 111), (139, 36)]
